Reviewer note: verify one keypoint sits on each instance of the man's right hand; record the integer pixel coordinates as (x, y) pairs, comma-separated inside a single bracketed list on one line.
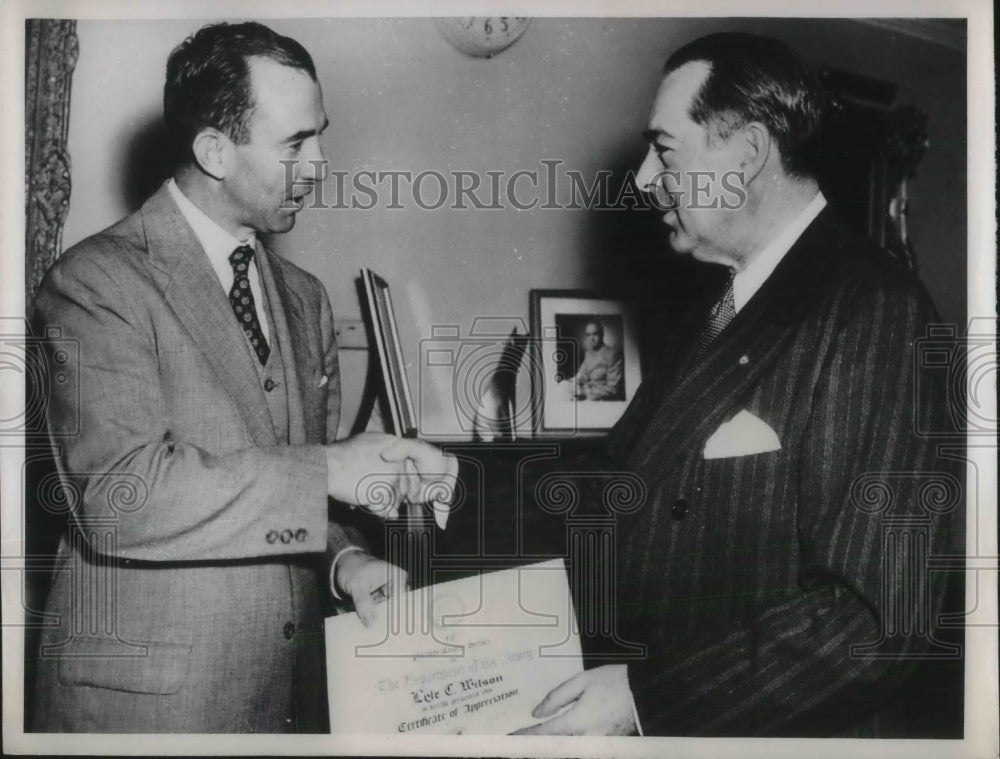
[(379, 472)]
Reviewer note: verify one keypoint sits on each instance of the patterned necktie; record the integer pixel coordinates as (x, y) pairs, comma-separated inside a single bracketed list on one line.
[(241, 299), (721, 314)]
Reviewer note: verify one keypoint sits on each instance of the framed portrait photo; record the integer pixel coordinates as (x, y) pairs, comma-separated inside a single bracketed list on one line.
[(586, 361)]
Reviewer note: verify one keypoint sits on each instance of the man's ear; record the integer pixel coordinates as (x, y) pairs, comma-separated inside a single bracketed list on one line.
[(211, 150), (757, 146)]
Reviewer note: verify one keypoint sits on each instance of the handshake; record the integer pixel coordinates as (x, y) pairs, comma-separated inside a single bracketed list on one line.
[(381, 472)]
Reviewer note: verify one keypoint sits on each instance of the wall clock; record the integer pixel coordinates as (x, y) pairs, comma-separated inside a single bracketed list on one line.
[(482, 37)]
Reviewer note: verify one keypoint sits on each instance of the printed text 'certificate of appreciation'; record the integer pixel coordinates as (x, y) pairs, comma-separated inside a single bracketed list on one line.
[(470, 656)]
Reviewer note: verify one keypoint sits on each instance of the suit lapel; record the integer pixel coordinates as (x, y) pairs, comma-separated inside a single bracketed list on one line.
[(692, 405), (706, 395), (192, 289), (292, 330)]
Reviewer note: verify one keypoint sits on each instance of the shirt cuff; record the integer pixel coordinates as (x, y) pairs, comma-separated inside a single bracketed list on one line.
[(333, 574)]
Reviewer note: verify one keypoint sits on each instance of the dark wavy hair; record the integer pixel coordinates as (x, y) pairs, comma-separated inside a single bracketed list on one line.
[(208, 79), (754, 78)]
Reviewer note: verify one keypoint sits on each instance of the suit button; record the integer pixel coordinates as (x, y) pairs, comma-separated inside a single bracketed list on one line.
[(289, 630), (286, 536), (272, 536), (679, 510), (269, 385), (301, 535)]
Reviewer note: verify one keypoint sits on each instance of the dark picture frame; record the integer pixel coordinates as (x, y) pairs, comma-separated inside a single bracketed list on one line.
[(585, 361), (399, 401)]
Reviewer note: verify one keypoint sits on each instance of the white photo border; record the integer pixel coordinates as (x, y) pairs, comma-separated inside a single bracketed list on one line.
[(557, 413)]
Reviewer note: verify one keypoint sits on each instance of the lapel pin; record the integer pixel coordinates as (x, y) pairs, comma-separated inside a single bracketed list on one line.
[(744, 360)]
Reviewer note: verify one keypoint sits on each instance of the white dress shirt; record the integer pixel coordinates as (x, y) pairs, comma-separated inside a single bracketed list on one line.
[(748, 281), (218, 245)]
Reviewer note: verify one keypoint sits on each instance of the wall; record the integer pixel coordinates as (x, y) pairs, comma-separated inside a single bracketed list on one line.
[(399, 98)]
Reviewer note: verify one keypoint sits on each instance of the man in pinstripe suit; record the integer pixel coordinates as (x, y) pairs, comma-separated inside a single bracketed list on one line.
[(758, 575)]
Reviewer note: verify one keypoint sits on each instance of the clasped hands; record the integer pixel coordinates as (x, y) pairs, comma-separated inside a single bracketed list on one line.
[(381, 472)]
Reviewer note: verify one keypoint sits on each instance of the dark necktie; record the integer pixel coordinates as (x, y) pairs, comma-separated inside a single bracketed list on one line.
[(721, 314), (241, 299)]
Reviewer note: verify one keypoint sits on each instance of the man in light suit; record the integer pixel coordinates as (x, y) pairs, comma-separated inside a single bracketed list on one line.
[(778, 442), (200, 444)]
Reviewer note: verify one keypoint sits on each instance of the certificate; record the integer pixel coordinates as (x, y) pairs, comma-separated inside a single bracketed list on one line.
[(470, 656)]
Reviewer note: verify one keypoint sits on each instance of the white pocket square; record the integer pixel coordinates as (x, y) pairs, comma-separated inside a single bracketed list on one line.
[(323, 380), (743, 435)]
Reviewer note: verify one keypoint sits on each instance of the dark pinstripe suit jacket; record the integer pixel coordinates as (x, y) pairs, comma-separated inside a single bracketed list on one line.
[(750, 578)]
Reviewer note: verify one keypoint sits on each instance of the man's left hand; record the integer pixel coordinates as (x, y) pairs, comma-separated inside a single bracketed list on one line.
[(368, 581), (603, 705)]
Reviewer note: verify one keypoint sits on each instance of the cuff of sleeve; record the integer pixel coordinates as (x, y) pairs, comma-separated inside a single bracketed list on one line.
[(647, 702), (333, 570), (300, 523)]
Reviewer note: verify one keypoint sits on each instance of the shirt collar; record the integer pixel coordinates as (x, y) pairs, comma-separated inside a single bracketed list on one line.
[(216, 241), (749, 281)]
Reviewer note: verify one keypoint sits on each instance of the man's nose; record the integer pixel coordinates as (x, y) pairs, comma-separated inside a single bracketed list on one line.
[(313, 163), (648, 171)]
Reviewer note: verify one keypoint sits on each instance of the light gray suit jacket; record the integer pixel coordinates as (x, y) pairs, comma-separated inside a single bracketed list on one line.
[(189, 595)]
